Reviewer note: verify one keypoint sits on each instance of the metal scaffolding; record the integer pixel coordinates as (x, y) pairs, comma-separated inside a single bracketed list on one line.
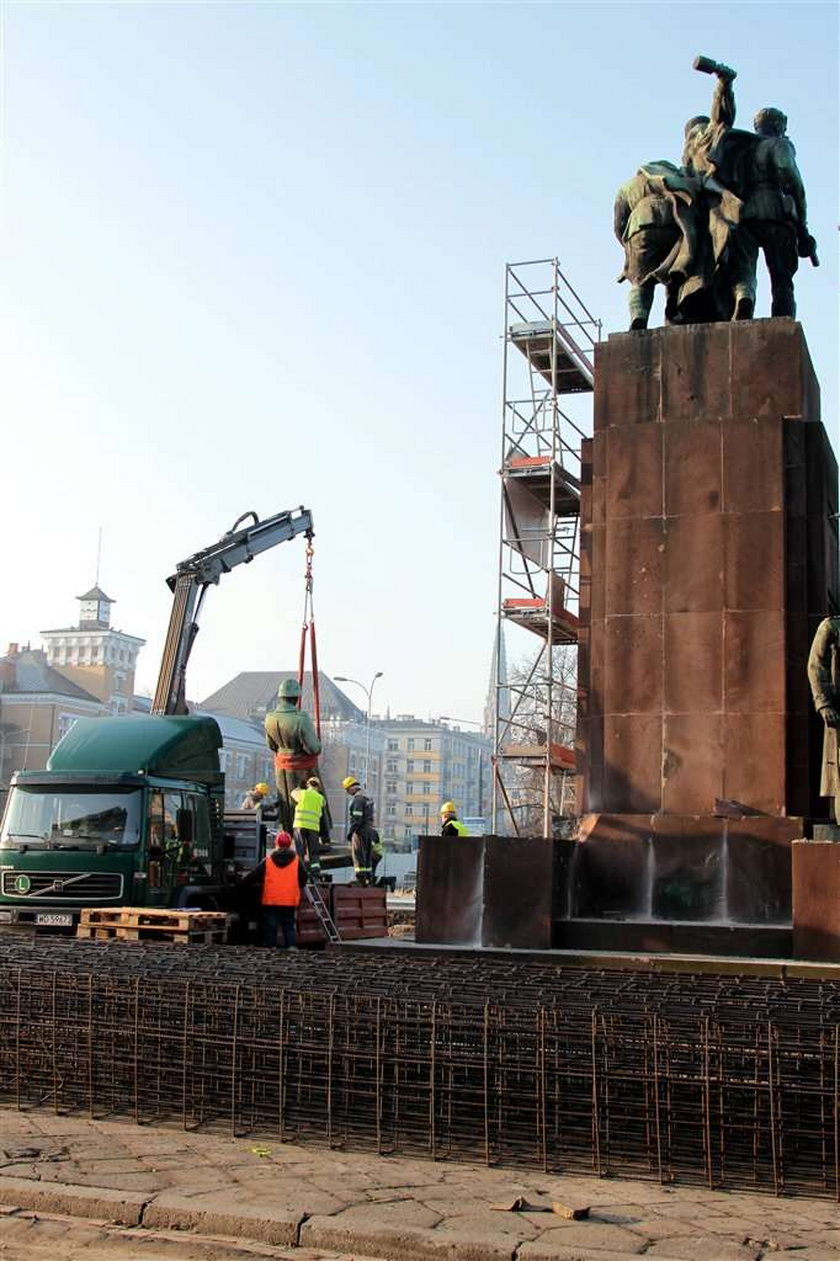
[(549, 341)]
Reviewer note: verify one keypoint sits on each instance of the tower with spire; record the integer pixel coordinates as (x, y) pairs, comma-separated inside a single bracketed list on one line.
[(95, 655)]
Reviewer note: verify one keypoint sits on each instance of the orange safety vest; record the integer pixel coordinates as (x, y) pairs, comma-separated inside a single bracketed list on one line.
[(280, 885)]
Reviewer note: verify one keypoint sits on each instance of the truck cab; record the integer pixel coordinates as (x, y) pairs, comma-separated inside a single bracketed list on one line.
[(128, 812)]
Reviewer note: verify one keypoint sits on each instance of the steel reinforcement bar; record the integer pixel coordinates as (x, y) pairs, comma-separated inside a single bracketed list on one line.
[(726, 1080)]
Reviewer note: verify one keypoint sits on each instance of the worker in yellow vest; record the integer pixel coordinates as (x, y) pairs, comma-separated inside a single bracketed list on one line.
[(281, 875), (309, 808), (450, 824)]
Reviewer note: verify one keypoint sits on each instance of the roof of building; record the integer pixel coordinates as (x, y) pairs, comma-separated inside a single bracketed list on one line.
[(96, 593), (240, 730), (27, 673), (254, 692)]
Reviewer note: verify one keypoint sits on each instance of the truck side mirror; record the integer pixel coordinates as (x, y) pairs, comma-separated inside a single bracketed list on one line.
[(184, 826)]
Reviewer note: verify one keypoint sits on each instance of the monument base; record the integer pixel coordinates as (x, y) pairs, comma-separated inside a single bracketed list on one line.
[(816, 900), (684, 868)]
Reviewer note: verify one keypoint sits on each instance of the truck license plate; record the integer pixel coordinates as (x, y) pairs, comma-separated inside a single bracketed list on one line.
[(55, 919)]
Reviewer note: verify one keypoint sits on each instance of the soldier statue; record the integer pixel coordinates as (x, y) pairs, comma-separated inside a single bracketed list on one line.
[(698, 229), (824, 677)]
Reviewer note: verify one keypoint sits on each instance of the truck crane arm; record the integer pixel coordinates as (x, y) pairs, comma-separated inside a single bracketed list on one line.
[(189, 584)]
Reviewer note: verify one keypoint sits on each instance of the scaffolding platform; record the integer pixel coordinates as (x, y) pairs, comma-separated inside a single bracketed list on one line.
[(540, 475), (560, 758), (554, 355), (532, 614)]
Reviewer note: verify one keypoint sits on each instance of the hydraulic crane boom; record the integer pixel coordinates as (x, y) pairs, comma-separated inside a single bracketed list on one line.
[(190, 582)]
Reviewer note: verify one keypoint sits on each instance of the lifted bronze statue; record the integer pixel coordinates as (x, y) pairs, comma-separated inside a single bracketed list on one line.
[(697, 229)]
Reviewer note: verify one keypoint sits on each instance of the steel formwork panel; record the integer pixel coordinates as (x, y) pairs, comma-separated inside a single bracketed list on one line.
[(553, 336)]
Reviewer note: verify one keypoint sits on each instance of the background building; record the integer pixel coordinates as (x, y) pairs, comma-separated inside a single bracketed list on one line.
[(427, 763)]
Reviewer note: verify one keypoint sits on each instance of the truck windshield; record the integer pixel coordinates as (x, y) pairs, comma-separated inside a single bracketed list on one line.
[(63, 819)]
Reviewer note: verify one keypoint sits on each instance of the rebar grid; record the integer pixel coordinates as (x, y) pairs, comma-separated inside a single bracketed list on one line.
[(727, 1080)]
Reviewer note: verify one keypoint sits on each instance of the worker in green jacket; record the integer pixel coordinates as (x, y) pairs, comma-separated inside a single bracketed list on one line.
[(450, 824), (310, 804), (290, 734)]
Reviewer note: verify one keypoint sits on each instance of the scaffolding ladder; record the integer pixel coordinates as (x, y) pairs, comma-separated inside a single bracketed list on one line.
[(319, 906), (549, 343)]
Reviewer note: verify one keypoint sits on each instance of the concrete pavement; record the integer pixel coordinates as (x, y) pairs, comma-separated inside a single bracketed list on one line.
[(306, 1203)]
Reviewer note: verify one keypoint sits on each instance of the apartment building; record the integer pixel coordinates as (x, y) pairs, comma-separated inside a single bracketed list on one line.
[(427, 763)]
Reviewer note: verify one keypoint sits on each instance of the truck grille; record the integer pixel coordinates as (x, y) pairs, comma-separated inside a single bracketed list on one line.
[(69, 886)]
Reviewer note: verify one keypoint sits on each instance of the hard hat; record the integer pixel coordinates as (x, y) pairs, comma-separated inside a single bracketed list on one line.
[(282, 840), (349, 782), (449, 807), (262, 788), (289, 688)]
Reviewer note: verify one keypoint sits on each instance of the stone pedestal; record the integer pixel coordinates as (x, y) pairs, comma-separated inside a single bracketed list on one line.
[(709, 558), (816, 900)]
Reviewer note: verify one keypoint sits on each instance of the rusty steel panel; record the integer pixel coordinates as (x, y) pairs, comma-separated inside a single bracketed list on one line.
[(518, 892), (450, 889)]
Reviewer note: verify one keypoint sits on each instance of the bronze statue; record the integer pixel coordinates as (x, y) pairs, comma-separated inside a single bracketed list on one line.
[(774, 219), (698, 229), (824, 677), (674, 227)]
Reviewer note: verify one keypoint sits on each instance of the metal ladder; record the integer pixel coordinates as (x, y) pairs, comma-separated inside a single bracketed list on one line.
[(321, 909)]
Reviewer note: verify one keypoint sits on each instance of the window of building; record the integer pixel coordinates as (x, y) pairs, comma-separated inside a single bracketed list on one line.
[(241, 765), (427, 744), (427, 788), (391, 766), (410, 745), (410, 768), (409, 808), (390, 786), (352, 761), (393, 745), (392, 809), (427, 768), (224, 759)]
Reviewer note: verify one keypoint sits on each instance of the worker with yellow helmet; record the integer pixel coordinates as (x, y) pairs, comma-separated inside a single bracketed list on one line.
[(362, 835), (450, 824), (258, 796)]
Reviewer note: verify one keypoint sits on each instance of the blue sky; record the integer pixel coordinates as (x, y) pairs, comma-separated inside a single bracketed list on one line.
[(253, 256)]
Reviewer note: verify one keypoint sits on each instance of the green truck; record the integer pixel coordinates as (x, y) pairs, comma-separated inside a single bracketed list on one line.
[(130, 811)]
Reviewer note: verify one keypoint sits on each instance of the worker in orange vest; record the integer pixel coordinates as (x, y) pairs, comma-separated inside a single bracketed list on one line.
[(282, 875)]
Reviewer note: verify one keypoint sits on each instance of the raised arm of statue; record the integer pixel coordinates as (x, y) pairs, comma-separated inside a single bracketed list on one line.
[(723, 99)]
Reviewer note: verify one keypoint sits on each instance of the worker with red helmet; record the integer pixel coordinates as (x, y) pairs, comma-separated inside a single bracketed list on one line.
[(281, 875)]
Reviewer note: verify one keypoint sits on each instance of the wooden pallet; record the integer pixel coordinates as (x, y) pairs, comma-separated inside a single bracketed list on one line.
[(174, 920), (122, 932)]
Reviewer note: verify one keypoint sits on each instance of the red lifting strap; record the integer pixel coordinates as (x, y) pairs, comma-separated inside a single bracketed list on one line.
[(309, 625)]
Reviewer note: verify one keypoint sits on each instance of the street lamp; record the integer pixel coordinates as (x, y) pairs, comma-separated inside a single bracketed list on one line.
[(368, 691)]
